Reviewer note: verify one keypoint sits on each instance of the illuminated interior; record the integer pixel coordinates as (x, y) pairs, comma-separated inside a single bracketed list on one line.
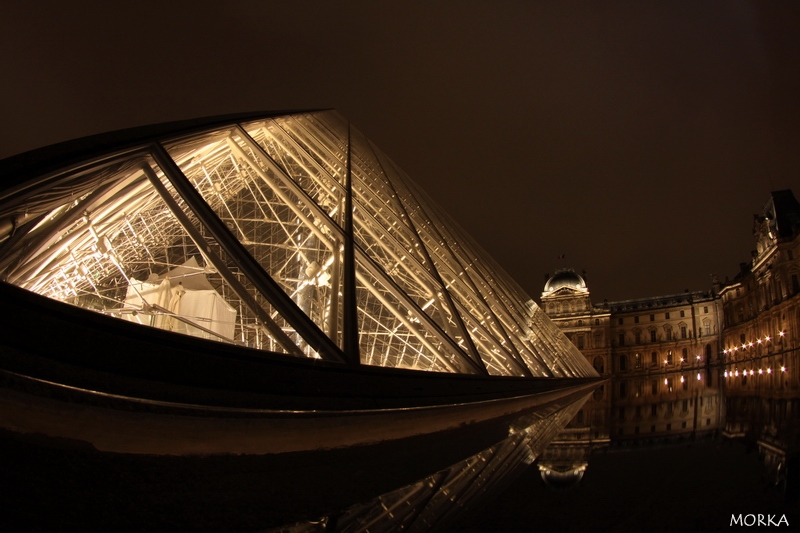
[(142, 235)]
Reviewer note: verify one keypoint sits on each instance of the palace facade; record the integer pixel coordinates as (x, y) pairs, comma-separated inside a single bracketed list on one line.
[(721, 361)]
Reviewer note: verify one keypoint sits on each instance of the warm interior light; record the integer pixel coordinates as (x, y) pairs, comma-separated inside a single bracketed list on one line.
[(781, 334), (736, 373), (698, 376), (769, 371), (726, 373), (760, 371), (682, 380), (783, 369), (767, 338)]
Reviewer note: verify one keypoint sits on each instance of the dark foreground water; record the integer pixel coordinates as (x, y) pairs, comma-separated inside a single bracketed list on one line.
[(686, 487), (683, 487)]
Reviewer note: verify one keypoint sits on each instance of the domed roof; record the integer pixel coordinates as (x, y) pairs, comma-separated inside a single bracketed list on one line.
[(562, 479), (565, 278)]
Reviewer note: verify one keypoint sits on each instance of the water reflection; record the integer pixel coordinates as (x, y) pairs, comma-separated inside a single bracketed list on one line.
[(654, 408), (439, 500)]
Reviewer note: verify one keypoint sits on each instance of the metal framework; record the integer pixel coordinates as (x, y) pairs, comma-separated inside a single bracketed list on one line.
[(290, 234)]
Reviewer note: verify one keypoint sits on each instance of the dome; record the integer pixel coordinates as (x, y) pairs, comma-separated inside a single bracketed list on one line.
[(561, 479), (565, 278)]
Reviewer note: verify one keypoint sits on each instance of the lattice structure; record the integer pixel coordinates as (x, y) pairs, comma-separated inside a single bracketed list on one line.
[(287, 234)]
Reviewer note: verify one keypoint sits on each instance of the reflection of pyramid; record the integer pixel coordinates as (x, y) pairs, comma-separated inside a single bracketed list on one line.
[(321, 245)]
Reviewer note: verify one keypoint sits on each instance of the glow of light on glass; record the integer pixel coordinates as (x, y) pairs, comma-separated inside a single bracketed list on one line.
[(752, 372), (681, 359), (783, 369), (744, 346), (724, 351), (666, 382), (751, 345), (736, 373), (759, 341), (698, 376), (682, 380), (781, 333), (769, 371), (760, 371)]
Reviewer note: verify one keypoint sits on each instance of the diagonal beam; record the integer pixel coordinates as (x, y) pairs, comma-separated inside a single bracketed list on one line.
[(274, 294), (274, 329)]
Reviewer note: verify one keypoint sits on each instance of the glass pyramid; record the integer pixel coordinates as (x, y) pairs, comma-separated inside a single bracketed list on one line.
[(290, 234)]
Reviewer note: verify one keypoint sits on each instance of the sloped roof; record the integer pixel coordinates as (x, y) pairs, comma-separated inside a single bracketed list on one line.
[(322, 245)]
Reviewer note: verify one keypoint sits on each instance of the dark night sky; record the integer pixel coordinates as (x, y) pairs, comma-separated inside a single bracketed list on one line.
[(636, 138)]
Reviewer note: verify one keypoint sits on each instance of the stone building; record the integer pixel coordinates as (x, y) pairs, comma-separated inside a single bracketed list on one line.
[(726, 359), (760, 345), (657, 350)]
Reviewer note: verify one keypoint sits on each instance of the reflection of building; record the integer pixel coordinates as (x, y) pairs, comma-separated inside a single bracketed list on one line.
[(252, 250), (658, 350), (696, 363), (258, 285), (760, 344)]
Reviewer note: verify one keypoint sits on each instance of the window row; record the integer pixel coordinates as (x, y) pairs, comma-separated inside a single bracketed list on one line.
[(667, 316)]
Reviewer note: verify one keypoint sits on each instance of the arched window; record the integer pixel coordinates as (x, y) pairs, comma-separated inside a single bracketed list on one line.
[(685, 355), (599, 365), (669, 357), (654, 359), (637, 361), (623, 363), (708, 353)]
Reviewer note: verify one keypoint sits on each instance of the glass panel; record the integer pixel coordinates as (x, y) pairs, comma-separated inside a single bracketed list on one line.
[(120, 251), (323, 184), (277, 223), (392, 334)]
